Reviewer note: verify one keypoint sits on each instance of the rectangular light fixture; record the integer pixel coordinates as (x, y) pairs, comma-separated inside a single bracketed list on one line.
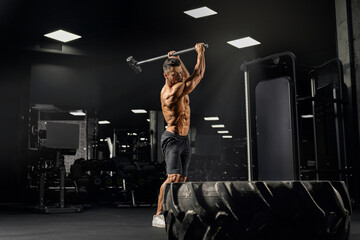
[(77, 113), (211, 118), (243, 42), (104, 122), (62, 36), (218, 126), (200, 12), (307, 116), (138, 111), (227, 136), (223, 132)]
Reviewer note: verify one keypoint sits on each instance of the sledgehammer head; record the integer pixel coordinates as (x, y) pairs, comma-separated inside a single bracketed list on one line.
[(133, 64)]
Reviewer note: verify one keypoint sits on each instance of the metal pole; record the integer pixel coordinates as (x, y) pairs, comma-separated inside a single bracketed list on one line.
[(313, 94), (153, 135), (114, 144), (42, 185), (166, 56), (62, 178), (248, 125)]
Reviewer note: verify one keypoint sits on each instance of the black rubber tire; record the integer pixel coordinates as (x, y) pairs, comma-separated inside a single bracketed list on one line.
[(279, 210)]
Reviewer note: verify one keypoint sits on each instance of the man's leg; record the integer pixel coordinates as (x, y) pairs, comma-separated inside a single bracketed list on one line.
[(172, 178), (182, 179), (158, 220)]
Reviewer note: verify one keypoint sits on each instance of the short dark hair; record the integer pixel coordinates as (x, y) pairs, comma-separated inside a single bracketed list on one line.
[(171, 62)]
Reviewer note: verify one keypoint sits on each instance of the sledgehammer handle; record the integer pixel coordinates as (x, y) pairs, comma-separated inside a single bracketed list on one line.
[(165, 56)]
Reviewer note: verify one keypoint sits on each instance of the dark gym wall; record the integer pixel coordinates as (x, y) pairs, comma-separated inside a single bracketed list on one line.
[(26, 78), (65, 84), (14, 95)]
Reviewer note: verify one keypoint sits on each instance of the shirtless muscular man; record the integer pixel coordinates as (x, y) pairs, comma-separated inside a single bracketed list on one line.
[(175, 101)]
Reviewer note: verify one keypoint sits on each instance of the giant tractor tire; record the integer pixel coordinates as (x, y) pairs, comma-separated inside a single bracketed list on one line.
[(276, 210)]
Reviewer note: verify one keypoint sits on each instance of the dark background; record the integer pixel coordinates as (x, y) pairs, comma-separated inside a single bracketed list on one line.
[(92, 72)]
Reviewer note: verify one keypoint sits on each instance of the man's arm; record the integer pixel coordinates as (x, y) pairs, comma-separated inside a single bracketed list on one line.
[(199, 70), (184, 88)]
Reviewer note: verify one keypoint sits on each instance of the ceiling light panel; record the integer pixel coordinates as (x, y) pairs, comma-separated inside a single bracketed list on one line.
[(77, 113), (62, 36), (227, 136), (138, 110), (223, 132), (307, 116), (218, 126), (244, 42), (211, 118), (200, 12), (104, 122)]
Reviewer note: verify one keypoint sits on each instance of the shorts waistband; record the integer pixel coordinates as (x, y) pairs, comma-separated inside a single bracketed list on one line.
[(174, 134)]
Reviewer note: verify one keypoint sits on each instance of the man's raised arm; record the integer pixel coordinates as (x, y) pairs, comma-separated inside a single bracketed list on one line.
[(199, 70)]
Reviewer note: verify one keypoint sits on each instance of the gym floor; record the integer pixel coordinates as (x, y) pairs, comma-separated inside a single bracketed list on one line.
[(96, 223)]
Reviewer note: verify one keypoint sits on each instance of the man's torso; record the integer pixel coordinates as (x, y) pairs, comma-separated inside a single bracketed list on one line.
[(176, 113)]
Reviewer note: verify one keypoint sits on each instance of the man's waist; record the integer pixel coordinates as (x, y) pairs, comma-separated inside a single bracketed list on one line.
[(174, 134)]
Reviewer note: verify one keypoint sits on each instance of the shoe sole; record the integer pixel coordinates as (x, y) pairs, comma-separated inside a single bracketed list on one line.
[(158, 225)]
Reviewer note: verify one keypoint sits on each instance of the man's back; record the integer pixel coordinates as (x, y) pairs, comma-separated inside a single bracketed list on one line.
[(176, 111)]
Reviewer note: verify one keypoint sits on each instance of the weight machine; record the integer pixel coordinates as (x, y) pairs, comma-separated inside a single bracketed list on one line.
[(49, 145)]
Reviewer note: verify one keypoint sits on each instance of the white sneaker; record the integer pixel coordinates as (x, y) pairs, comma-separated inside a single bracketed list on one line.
[(158, 221)]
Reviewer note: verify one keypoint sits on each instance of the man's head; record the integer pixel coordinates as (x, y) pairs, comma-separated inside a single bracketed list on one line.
[(172, 70)]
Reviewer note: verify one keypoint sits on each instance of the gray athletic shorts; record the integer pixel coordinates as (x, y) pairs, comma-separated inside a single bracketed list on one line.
[(177, 153)]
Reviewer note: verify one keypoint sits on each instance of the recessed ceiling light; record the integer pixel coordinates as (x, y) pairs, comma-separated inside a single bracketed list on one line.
[(227, 136), (138, 111), (223, 132), (62, 36), (104, 122), (200, 12), (211, 118), (148, 120), (243, 42), (218, 126), (307, 116), (77, 113)]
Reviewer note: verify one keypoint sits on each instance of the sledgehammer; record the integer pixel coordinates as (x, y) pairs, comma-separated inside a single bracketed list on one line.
[(135, 65)]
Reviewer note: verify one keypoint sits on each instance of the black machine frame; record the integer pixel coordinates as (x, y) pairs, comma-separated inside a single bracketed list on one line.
[(285, 65), (246, 67), (338, 102)]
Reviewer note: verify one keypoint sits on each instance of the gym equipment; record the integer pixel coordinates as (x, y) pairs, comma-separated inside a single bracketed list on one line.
[(288, 59), (135, 65), (329, 102), (275, 127), (263, 210), (57, 143), (307, 120)]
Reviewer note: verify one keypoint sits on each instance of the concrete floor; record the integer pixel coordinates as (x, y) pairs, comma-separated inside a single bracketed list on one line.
[(96, 223), (100, 223)]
